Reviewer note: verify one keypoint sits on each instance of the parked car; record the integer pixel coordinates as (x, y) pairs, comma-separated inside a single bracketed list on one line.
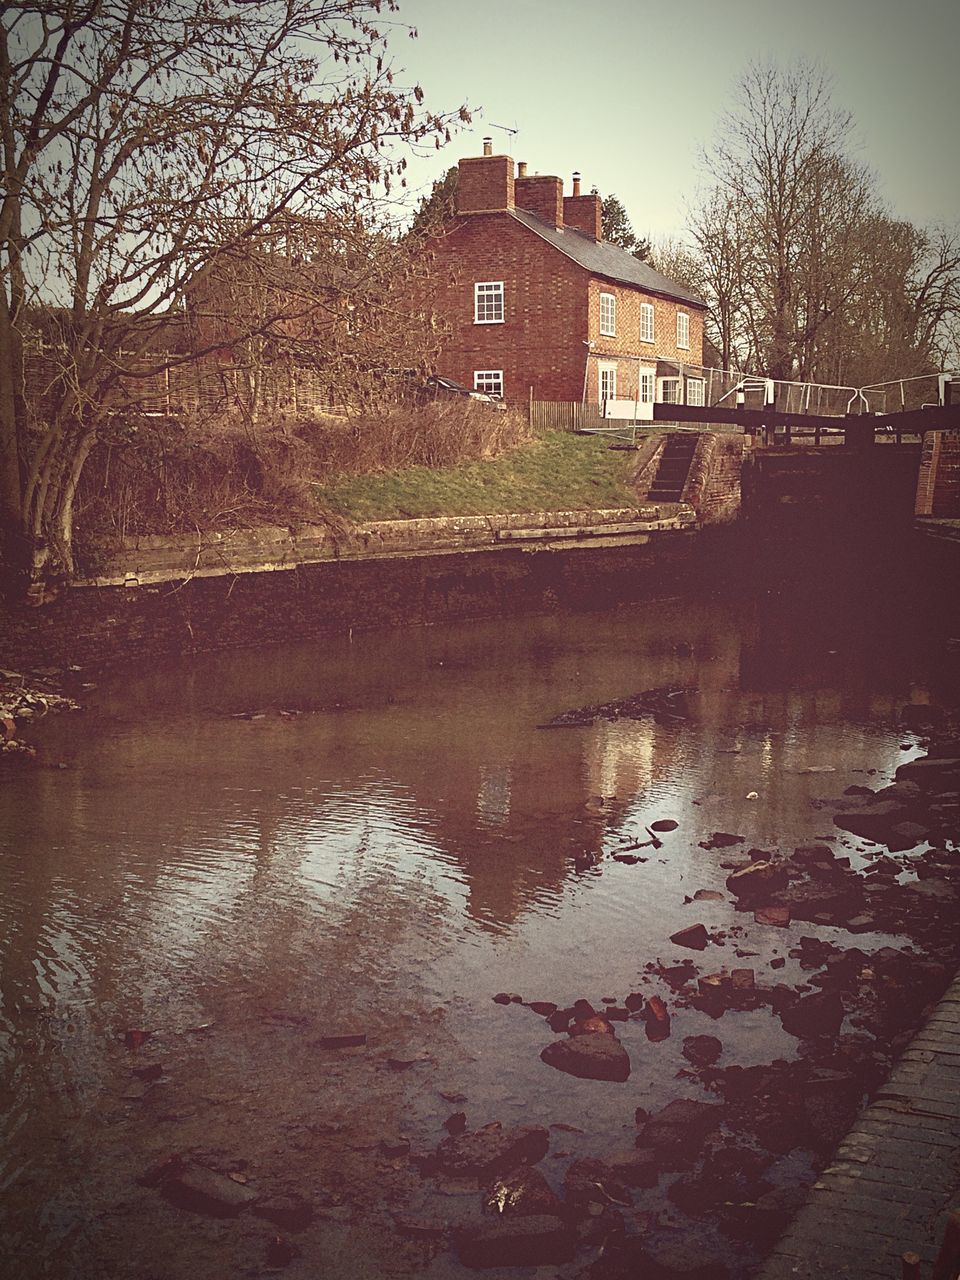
[(441, 387)]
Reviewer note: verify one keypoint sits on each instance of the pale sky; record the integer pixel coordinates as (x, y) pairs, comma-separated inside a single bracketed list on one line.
[(628, 92)]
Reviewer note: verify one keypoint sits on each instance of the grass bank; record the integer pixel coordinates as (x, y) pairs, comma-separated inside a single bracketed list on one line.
[(557, 471)]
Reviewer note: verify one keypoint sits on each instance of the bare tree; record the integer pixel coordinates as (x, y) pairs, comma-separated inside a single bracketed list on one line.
[(780, 160), (146, 143), (805, 274), (934, 293), (719, 246)]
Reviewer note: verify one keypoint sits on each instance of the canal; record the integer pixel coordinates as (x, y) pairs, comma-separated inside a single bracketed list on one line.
[(256, 910)]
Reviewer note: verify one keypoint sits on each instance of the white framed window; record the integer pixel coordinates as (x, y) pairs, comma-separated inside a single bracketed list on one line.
[(608, 315), (646, 321), (669, 390), (695, 391), (608, 382), (489, 381), (488, 302), (683, 330), (648, 384)]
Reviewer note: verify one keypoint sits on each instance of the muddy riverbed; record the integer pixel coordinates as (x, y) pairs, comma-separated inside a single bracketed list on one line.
[(286, 933)]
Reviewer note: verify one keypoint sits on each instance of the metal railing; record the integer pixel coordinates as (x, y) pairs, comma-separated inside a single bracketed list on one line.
[(697, 385)]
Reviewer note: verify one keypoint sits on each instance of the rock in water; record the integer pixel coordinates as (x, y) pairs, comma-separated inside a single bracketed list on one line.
[(492, 1149), (932, 773), (873, 821), (721, 840), (524, 1192), (756, 880), (817, 1015), (289, 1212), (779, 916), (702, 1051), (591, 1057), (203, 1190), (535, 1241), (695, 936), (680, 1125)]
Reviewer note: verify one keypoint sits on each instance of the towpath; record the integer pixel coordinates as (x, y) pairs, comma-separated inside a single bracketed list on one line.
[(895, 1177)]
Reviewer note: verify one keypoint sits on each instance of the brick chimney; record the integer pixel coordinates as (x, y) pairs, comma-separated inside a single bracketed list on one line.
[(583, 212), (542, 196), (486, 182)]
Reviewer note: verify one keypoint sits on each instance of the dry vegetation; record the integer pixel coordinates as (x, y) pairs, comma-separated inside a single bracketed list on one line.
[(226, 474)]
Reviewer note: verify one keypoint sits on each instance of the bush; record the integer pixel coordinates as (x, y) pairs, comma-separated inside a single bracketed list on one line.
[(435, 435), (176, 475)]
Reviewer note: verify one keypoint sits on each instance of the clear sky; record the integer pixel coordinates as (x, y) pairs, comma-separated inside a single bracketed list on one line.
[(629, 92)]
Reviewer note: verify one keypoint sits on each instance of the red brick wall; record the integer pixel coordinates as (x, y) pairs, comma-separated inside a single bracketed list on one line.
[(584, 213), (627, 340), (938, 486), (713, 486), (551, 308), (486, 182), (540, 343), (542, 196)]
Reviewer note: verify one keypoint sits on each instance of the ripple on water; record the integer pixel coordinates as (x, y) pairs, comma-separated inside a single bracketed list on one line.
[(392, 868)]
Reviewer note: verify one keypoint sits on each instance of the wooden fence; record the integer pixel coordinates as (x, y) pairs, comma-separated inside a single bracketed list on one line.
[(550, 415), (156, 384)]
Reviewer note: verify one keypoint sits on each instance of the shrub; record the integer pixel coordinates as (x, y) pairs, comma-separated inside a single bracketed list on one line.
[(177, 475)]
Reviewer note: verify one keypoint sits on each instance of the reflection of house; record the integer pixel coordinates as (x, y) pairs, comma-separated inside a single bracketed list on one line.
[(540, 306)]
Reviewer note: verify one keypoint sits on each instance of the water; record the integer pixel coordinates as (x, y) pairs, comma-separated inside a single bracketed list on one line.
[(247, 853)]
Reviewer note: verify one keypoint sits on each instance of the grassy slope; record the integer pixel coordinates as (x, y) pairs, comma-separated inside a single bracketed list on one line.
[(558, 472)]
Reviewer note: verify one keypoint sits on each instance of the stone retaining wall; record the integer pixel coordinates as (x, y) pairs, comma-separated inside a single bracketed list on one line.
[(95, 625), (153, 559)]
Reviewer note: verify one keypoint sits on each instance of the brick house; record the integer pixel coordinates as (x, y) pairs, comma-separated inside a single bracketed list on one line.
[(541, 307)]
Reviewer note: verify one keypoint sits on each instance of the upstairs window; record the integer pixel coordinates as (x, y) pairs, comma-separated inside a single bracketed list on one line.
[(646, 321), (683, 330), (608, 315), (488, 302), (489, 381), (695, 388)]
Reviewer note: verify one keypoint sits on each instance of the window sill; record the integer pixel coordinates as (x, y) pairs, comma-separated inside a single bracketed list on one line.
[(489, 322)]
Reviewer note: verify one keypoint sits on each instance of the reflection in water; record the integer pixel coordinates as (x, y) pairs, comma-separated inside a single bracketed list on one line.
[(248, 853)]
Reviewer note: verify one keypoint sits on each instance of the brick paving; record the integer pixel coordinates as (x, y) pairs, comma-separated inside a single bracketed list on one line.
[(896, 1175)]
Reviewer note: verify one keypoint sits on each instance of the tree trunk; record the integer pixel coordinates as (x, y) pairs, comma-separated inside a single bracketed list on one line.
[(11, 378)]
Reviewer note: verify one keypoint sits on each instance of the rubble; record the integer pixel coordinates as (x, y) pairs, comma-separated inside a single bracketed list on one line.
[(667, 704)]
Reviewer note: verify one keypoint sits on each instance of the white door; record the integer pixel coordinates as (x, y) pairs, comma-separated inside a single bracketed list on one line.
[(608, 382)]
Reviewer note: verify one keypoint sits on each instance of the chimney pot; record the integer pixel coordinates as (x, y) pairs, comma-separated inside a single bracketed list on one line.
[(576, 184), (521, 168), (488, 146)]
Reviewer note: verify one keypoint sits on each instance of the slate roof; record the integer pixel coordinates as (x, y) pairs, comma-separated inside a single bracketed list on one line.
[(603, 259)]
